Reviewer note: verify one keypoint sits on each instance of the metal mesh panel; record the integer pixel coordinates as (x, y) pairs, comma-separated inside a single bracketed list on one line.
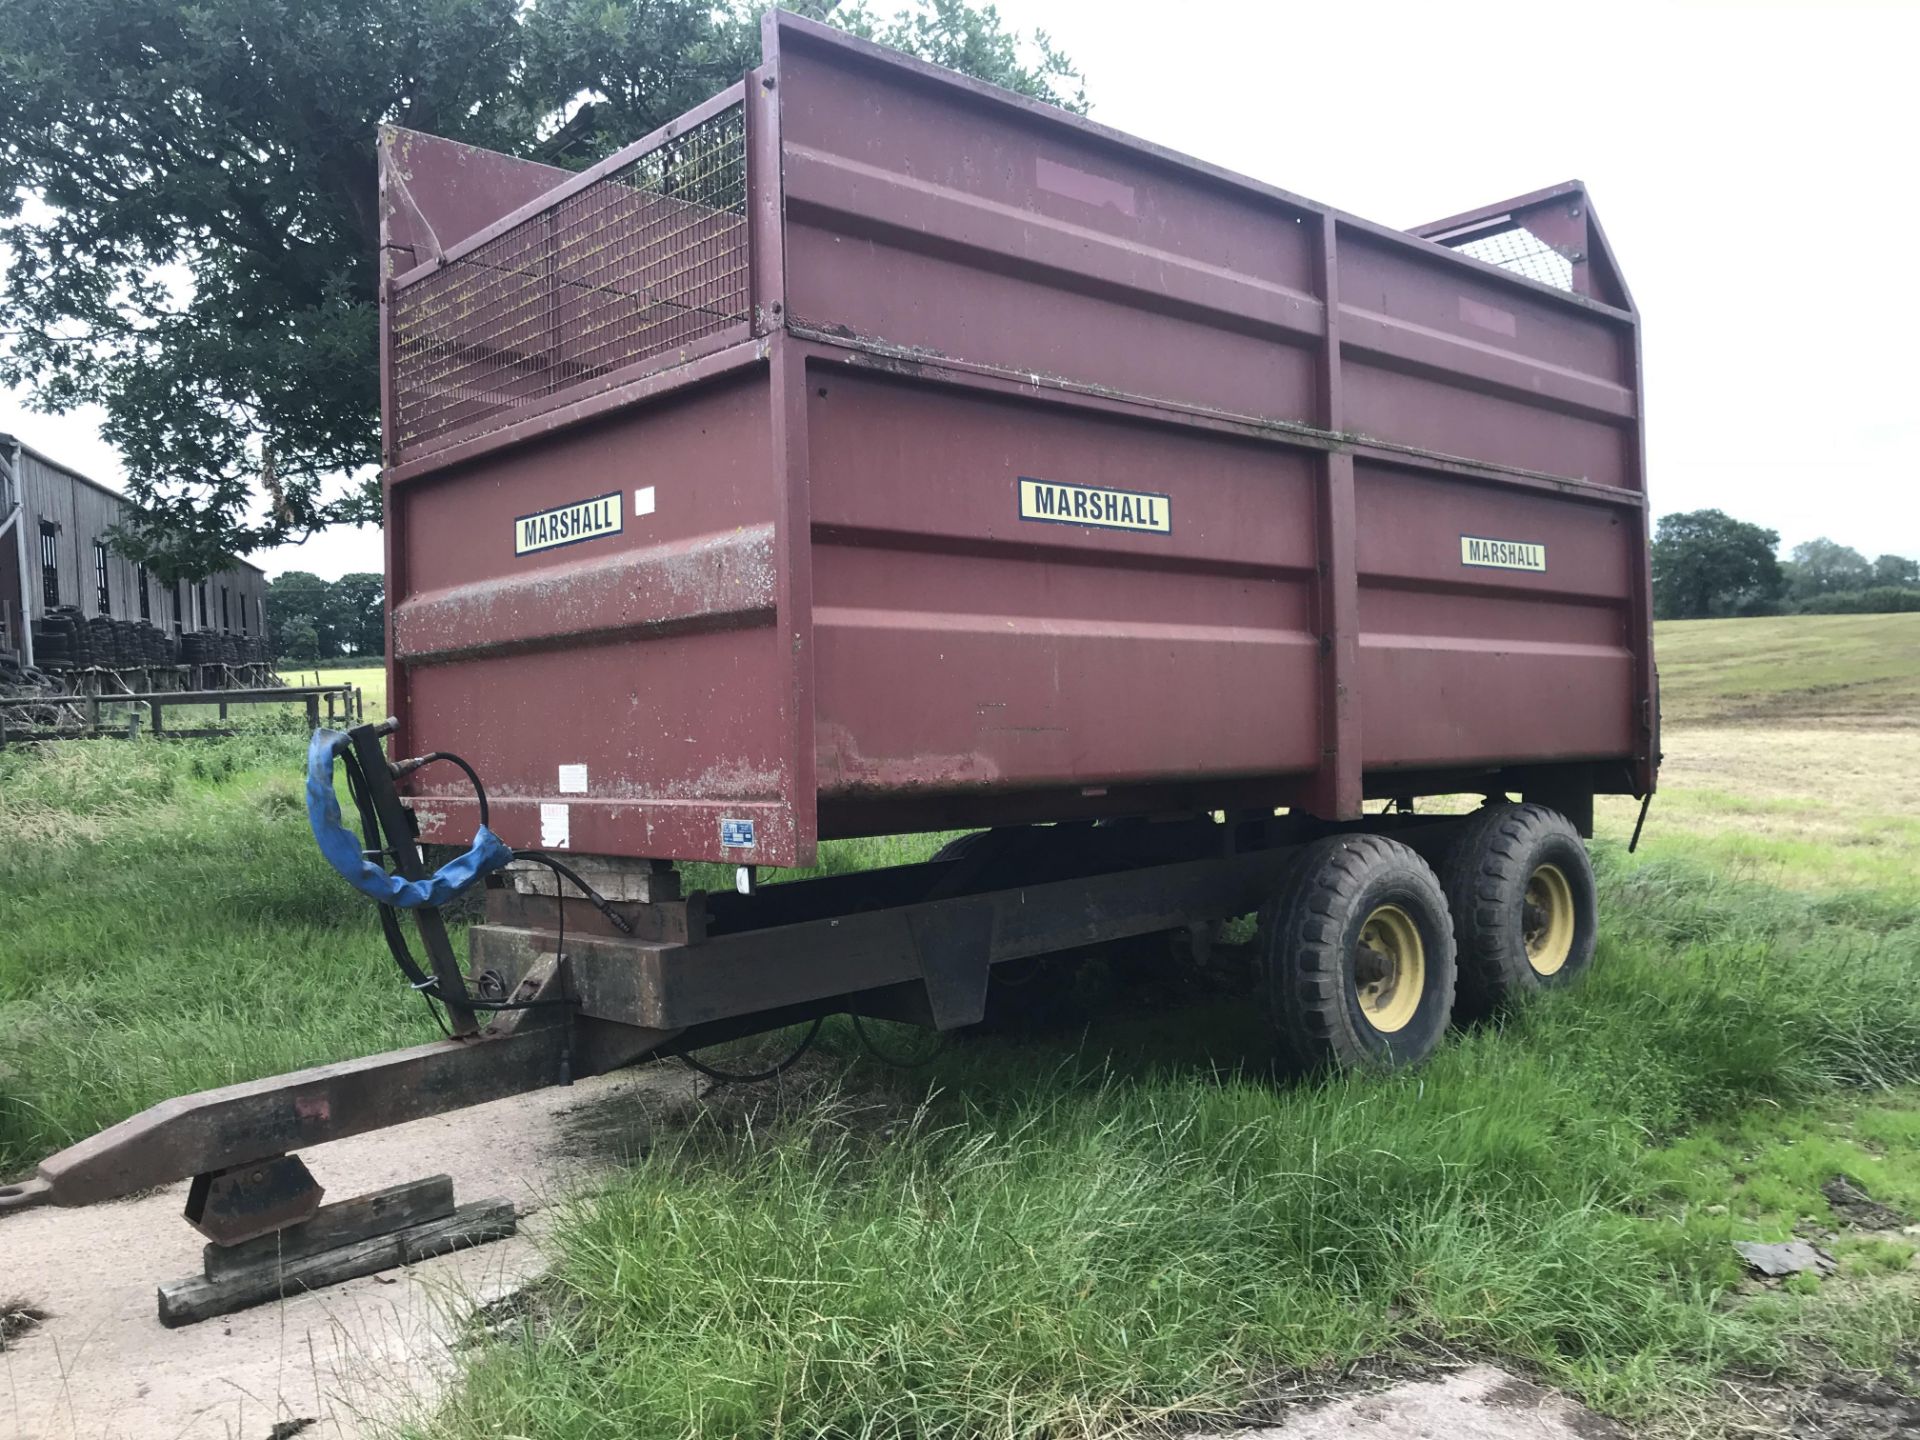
[(641, 262), (1525, 254)]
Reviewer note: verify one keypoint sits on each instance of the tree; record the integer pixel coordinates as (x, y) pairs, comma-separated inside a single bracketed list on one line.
[(297, 639), (359, 601), (1896, 570), (307, 616), (200, 257), (1707, 563), (1820, 567)]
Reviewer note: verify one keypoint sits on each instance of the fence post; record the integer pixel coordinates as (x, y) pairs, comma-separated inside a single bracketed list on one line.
[(133, 721), (153, 717), (313, 713), (93, 713)]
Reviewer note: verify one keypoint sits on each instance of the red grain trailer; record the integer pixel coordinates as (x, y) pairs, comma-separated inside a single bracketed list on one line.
[(871, 451)]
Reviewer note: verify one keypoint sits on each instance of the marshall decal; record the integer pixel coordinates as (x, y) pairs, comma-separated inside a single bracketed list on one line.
[(1087, 505), (567, 524), (1502, 554)]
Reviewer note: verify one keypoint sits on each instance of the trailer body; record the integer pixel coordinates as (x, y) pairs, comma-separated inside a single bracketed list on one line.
[(871, 450)]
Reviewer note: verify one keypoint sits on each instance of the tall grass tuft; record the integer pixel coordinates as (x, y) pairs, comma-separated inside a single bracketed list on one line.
[(166, 925)]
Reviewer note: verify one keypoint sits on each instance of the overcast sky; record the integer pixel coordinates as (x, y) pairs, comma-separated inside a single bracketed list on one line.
[(1754, 166)]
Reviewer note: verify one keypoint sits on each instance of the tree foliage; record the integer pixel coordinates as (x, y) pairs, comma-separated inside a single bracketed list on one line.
[(1705, 563), (188, 208), (1821, 567), (360, 596), (312, 619), (1896, 571)]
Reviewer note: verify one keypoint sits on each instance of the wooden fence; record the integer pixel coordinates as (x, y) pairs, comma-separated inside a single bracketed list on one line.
[(79, 717)]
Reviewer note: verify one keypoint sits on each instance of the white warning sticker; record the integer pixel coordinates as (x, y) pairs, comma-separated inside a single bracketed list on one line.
[(643, 501), (573, 779), (556, 826)]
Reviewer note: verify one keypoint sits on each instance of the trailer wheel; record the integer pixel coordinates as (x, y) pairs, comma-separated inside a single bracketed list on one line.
[(1520, 886), (1358, 955)]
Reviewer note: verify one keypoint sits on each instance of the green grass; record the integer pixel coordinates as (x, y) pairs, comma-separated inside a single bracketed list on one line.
[(1856, 667), (170, 926), (372, 680), (1064, 1237)]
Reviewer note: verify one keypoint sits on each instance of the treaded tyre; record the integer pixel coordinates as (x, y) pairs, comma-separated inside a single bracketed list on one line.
[(1357, 950), (961, 846), (1520, 886)]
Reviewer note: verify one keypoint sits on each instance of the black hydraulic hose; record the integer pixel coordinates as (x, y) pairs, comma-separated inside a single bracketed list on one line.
[(726, 1078), (866, 1043), (390, 926), (396, 938), (594, 897), (407, 767)]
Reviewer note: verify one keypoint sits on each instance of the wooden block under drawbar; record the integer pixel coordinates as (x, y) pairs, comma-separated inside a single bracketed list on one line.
[(198, 1298), (360, 1218)]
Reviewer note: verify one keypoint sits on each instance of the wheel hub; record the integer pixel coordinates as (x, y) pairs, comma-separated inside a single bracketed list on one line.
[(1390, 969), (1547, 919)]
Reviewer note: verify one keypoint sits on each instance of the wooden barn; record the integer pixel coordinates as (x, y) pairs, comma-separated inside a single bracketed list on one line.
[(70, 602)]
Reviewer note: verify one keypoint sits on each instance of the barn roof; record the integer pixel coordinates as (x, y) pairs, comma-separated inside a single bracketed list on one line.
[(16, 443)]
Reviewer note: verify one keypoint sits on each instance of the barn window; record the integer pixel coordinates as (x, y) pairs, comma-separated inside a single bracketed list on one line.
[(49, 563), (226, 616), (200, 598), (245, 629), (100, 590), (146, 600), (179, 606)]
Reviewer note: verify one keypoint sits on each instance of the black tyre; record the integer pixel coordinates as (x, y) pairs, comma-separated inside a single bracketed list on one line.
[(1520, 886), (1357, 952), (961, 847)]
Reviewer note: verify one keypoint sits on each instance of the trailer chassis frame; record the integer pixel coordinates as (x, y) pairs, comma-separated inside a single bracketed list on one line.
[(915, 943)]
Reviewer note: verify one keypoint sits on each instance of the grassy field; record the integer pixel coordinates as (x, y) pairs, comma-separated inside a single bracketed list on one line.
[(1792, 752), (1845, 670), (1125, 1222)]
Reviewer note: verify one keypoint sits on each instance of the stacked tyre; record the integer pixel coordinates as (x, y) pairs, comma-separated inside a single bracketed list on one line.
[(110, 642), (61, 640), (152, 644)]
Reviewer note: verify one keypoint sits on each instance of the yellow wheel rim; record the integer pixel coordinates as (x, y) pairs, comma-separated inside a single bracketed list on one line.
[(1390, 972), (1547, 920)]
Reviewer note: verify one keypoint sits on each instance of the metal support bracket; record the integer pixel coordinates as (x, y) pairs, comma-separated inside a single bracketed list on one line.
[(954, 951), (256, 1198)]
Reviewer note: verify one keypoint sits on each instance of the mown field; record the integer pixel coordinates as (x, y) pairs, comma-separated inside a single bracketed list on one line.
[(1123, 1223)]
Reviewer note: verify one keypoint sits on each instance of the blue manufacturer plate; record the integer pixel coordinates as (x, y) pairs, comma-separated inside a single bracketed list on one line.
[(736, 834)]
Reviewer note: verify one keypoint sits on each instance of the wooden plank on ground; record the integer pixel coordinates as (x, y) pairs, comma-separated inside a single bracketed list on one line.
[(197, 1298), (344, 1221)]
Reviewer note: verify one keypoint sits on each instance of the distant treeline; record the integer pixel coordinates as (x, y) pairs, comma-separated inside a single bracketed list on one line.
[(313, 619), (1706, 563)]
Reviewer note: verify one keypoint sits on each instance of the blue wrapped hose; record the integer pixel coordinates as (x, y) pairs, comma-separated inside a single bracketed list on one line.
[(342, 847)]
